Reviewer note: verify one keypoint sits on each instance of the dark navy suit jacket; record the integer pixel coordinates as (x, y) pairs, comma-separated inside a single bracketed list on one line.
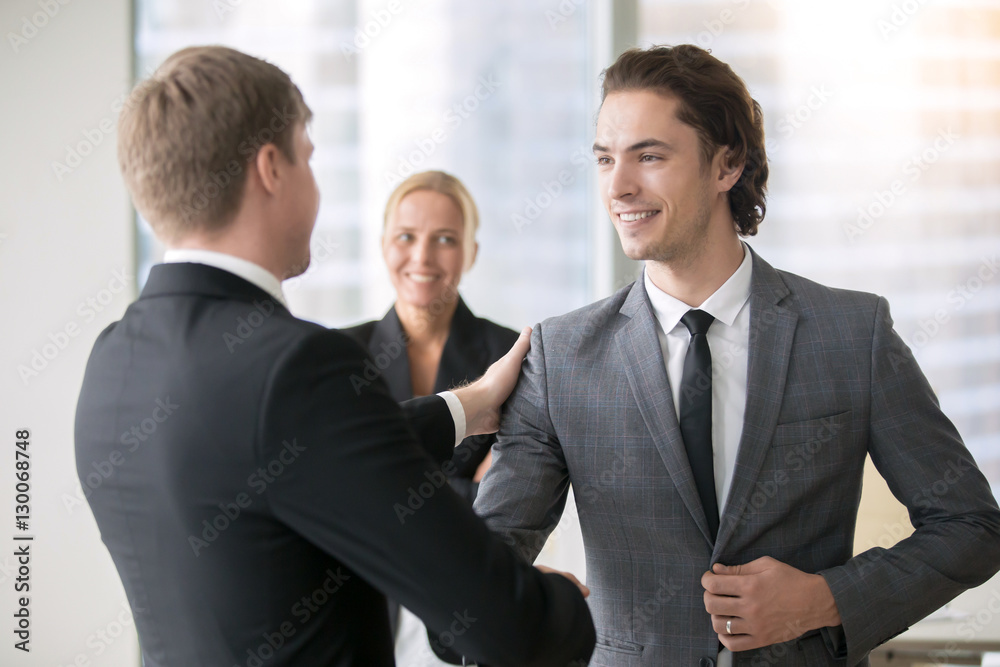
[(272, 495)]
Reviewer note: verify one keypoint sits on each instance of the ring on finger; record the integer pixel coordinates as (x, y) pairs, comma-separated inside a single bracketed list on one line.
[(729, 627)]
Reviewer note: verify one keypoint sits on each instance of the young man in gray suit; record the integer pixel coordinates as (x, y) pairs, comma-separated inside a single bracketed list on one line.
[(716, 382)]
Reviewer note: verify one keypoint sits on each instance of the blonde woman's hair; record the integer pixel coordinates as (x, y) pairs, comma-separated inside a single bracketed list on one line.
[(446, 184)]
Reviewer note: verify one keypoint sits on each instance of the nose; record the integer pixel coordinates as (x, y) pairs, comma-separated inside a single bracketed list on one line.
[(620, 182), (423, 251)]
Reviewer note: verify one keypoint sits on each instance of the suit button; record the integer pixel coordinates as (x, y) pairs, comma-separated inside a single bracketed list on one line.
[(706, 662)]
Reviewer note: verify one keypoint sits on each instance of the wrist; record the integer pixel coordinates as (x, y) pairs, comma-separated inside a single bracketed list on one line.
[(473, 403), (825, 606)]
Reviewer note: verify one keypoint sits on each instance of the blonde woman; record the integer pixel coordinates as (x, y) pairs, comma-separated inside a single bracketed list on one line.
[(430, 339)]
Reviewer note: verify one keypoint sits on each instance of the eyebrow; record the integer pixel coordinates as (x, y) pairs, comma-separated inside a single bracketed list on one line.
[(645, 143), (442, 230)]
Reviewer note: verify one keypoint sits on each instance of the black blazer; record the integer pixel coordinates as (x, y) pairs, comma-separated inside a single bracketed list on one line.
[(255, 495), (473, 344)]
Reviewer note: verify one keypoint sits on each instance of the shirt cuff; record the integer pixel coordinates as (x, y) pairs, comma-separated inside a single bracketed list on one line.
[(457, 415)]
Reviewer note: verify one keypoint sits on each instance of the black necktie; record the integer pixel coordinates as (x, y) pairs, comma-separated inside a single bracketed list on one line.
[(696, 412)]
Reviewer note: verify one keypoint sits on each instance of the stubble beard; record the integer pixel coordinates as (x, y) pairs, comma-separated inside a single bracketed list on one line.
[(684, 242)]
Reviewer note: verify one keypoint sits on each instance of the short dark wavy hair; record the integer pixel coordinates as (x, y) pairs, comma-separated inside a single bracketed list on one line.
[(716, 103)]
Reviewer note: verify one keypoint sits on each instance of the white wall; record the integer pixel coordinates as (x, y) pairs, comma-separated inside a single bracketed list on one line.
[(62, 241)]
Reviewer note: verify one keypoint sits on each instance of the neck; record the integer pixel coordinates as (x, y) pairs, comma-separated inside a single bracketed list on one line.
[(240, 244), (696, 277), (427, 324)]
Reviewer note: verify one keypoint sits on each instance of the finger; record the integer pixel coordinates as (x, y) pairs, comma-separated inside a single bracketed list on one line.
[(736, 643), (722, 584), (502, 374), (756, 566), (728, 570), (736, 625), (520, 347), (723, 605)]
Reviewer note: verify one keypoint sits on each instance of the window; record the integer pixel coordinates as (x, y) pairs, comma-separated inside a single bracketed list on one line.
[(495, 93), (884, 147)]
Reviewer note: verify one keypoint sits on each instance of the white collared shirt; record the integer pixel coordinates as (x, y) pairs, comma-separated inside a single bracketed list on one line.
[(728, 339), (245, 269), (267, 281)]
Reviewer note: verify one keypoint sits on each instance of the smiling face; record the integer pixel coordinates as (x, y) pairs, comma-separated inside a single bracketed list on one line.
[(665, 202), (423, 247)]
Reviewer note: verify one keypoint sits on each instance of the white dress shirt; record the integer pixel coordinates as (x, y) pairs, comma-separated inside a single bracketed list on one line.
[(247, 270), (728, 338), (267, 281)]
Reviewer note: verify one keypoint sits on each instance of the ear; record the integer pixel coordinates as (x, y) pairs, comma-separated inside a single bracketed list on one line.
[(472, 260), (727, 173), (266, 166)]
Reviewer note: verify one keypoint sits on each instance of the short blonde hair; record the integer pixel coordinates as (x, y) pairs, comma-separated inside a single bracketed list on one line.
[(186, 135), (446, 184)]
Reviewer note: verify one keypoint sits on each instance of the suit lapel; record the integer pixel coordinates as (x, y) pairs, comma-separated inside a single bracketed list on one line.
[(388, 334), (772, 330), (642, 357), (464, 349)]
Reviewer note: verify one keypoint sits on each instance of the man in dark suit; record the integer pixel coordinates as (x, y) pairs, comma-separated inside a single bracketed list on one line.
[(717, 383), (253, 508)]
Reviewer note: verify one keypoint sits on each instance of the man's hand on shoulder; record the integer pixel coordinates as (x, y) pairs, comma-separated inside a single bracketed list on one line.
[(482, 399), (766, 602)]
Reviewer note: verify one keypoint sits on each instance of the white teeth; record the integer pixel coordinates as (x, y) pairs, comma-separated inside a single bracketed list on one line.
[(632, 217), (422, 279)]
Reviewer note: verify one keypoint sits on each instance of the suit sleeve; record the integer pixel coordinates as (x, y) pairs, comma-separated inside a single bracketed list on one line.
[(523, 494), (432, 425), (366, 492), (956, 542)]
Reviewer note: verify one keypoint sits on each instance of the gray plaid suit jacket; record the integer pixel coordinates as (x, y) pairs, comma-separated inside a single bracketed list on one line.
[(829, 381)]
